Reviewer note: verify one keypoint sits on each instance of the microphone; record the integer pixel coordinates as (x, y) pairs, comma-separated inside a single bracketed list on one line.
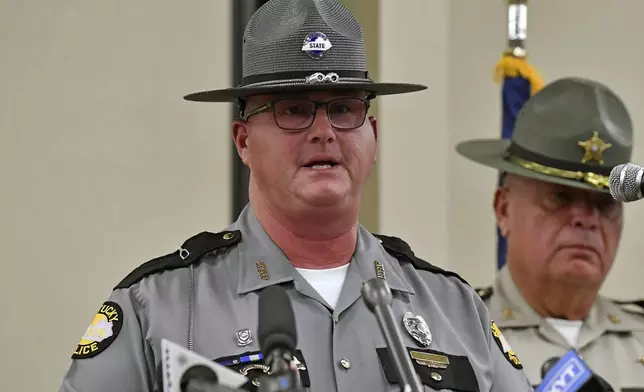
[(570, 374), (186, 371), (625, 182), (200, 378), (547, 365), (377, 296), (277, 335)]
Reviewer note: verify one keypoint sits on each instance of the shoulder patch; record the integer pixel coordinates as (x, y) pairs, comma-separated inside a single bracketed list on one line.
[(401, 249), (190, 252), (634, 306), (504, 346), (484, 292), (102, 331)]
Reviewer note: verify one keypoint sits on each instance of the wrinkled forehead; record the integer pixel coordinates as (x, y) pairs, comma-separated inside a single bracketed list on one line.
[(316, 95)]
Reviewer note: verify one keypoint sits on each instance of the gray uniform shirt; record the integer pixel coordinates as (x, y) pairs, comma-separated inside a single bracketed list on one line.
[(611, 340), (203, 302)]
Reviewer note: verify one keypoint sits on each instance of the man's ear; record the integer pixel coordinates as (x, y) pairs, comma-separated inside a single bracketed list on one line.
[(240, 137), (500, 205), (374, 126)]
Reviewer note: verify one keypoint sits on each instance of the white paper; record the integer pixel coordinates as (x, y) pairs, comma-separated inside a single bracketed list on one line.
[(177, 359)]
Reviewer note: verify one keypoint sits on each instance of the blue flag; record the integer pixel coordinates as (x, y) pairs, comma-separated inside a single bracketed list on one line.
[(519, 81)]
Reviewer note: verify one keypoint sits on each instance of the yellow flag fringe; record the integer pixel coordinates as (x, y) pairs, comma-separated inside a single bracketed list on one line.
[(510, 67)]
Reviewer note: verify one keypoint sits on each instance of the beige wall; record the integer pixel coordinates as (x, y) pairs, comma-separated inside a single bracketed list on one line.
[(104, 166), (443, 206)]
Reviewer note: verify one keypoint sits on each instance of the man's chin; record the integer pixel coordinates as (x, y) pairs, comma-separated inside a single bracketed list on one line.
[(583, 271), (323, 197)]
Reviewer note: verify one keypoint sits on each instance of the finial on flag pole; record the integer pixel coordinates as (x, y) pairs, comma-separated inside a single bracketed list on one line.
[(517, 27), (513, 62)]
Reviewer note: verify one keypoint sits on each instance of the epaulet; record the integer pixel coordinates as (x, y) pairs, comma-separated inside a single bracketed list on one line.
[(484, 292), (633, 306), (401, 249), (190, 252)]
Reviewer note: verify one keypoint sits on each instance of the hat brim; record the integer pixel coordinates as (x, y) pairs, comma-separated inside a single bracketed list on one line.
[(229, 94), (490, 152)]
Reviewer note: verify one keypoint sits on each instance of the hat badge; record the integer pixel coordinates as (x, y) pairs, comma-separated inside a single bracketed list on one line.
[(594, 148), (316, 45), (417, 328)]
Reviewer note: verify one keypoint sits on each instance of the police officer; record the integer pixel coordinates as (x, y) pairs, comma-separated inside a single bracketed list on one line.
[(304, 132), (562, 229)]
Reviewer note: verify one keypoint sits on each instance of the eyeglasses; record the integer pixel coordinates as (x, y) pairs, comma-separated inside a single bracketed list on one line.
[(298, 114)]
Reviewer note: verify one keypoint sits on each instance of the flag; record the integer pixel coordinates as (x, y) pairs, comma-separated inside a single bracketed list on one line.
[(519, 81)]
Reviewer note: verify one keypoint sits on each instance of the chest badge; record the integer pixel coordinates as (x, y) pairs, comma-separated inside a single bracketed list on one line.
[(244, 337), (417, 328)]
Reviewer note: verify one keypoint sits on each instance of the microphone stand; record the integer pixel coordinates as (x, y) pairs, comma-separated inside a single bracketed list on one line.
[(377, 295)]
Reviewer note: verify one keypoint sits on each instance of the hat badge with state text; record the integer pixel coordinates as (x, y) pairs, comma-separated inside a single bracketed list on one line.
[(303, 45), (572, 132)]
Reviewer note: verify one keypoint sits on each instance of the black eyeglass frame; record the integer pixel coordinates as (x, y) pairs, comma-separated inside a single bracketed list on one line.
[(271, 105)]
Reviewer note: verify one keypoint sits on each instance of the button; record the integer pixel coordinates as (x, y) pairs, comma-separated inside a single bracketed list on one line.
[(345, 363), (229, 236), (436, 376)]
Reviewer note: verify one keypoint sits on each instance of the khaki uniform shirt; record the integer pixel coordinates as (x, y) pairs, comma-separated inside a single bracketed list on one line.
[(204, 296), (611, 340)]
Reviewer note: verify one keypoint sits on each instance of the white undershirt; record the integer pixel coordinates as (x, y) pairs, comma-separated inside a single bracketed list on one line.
[(327, 282), (568, 329)]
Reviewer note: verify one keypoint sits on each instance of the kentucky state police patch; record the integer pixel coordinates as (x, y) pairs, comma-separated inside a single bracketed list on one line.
[(101, 332), (505, 346)]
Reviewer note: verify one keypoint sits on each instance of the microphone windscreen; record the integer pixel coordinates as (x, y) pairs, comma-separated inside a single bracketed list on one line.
[(547, 365), (198, 375), (625, 182), (276, 321)]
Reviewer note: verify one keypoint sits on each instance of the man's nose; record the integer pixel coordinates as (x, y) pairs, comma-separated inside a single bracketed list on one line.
[(321, 130), (585, 215)]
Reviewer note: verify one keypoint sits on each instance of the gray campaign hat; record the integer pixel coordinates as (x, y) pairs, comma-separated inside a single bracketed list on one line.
[(571, 132), (293, 45)]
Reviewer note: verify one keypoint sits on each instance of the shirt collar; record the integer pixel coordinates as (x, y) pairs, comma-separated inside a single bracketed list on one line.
[(262, 263), (511, 310)]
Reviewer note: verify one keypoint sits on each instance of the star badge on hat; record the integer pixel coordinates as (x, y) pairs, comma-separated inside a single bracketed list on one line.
[(594, 148)]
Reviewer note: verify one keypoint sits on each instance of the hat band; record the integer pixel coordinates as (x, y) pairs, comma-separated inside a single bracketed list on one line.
[(545, 165), (304, 77), (597, 180)]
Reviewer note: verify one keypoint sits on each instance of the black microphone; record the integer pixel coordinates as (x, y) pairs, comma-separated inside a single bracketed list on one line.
[(595, 382), (626, 182), (547, 365), (377, 295), (200, 378), (277, 335)]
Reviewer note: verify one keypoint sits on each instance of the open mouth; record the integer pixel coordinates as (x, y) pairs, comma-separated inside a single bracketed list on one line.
[(321, 165)]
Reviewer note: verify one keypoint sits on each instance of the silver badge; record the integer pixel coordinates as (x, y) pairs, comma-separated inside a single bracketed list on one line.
[(244, 337), (315, 45), (417, 328)]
